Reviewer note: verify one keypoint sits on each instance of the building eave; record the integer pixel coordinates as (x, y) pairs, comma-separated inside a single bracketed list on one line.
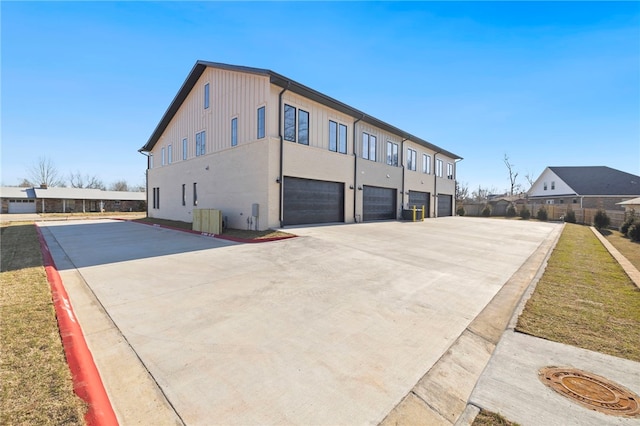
[(284, 82)]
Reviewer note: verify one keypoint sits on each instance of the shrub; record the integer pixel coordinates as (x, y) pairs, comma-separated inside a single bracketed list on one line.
[(486, 212), (634, 232), (525, 213), (542, 214), (601, 220), (630, 220), (511, 211), (460, 211), (570, 216)]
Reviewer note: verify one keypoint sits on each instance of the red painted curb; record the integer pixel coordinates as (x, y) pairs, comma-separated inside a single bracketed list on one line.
[(87, 383), (221, 237)]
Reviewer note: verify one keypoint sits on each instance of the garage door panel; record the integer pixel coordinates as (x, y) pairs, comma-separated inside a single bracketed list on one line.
[(22, 206), (312, 201), (419, 199), (445, 205), (378, 203)]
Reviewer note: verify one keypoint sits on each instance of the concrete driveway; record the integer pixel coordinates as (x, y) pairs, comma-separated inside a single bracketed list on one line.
[(334, 327)]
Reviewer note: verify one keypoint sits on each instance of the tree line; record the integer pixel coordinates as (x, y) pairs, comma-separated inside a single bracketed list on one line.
[(45, 172)]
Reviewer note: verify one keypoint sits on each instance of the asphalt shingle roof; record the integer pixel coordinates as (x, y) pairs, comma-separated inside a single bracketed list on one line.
[(598, 180)]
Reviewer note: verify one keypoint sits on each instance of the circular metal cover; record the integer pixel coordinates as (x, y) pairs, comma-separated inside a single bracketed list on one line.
[(591, 391)]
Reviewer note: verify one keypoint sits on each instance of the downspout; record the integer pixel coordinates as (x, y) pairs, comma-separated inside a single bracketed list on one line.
[(280, 178), (435, 185), (402, 165), (146, 181), (455, 185), (355, 167)]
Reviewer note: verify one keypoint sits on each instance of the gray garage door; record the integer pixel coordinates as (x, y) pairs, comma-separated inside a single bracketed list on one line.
[(312, 201), (444, 205), (22, 206), (378, 203), (419, 199)]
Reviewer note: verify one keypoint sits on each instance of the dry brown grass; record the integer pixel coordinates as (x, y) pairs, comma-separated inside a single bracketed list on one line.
[(585, 299), (487, 418), (34, 376), (628, 248)]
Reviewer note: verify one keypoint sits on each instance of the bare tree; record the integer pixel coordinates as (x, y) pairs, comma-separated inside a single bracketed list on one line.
[(512, 174), (44, 172), (462, 191), (529, 179), (26, 183), (120, 185), (76, 180)]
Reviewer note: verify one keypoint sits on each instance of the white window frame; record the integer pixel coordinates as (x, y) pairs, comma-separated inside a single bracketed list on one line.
[(201, 143), (439, 167), (207, 95), (369, 143), (450, 171), (169, 154), (261, 131), (163, 156), (234, 131), (392, 153)]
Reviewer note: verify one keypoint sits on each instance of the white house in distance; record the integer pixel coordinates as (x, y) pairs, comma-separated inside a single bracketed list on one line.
[(268, 152), (585, 187)]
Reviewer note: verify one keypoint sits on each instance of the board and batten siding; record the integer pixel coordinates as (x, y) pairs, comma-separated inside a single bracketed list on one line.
[(232, 95)]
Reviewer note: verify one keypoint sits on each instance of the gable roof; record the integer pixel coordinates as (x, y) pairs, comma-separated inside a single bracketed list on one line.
[(286, 83), (598, 180), (16, 192)]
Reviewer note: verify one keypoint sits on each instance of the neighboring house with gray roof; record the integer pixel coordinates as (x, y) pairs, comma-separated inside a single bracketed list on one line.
[(585, 187), (69, 200), (268, 151)]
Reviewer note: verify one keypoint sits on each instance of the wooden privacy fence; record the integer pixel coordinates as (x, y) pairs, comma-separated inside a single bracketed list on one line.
[(557, 212)]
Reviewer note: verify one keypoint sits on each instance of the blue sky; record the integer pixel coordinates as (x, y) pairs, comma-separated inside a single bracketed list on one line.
[(548, 83)]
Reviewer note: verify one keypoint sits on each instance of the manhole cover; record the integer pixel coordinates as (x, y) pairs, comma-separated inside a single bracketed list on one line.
[(591, 391)]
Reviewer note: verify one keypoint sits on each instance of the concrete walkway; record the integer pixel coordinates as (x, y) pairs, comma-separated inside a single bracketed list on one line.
[(335, 327)]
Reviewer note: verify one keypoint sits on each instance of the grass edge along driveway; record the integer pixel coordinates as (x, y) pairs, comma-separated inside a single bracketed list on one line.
[(36, 382)]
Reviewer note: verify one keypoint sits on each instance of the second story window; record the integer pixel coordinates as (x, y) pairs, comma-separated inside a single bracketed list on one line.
[(426, 163), (184, 148), (234, 131), (337, 137), (553, 184), (201, 143), (303, 127), (544, 186), (369, 147), (151, 161), (261, 126), (289, 123), (411, 159), (450, 171), (439, 168), (392, 153), (169, 154), (164, 159), (206, 96)]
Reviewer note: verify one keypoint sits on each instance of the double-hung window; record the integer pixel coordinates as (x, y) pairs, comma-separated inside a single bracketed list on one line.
[(234, 131), (206, 96), (337, 137), (289, 123), (411, 159), (201, 143), (545, 186), (261, 126), (439, 168), (450, 171), (185, 146), (392, 153), (553, 184), (426, 163), (369, 147)]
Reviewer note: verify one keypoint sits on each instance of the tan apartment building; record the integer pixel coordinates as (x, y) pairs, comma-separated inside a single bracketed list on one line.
[(268, 152)]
